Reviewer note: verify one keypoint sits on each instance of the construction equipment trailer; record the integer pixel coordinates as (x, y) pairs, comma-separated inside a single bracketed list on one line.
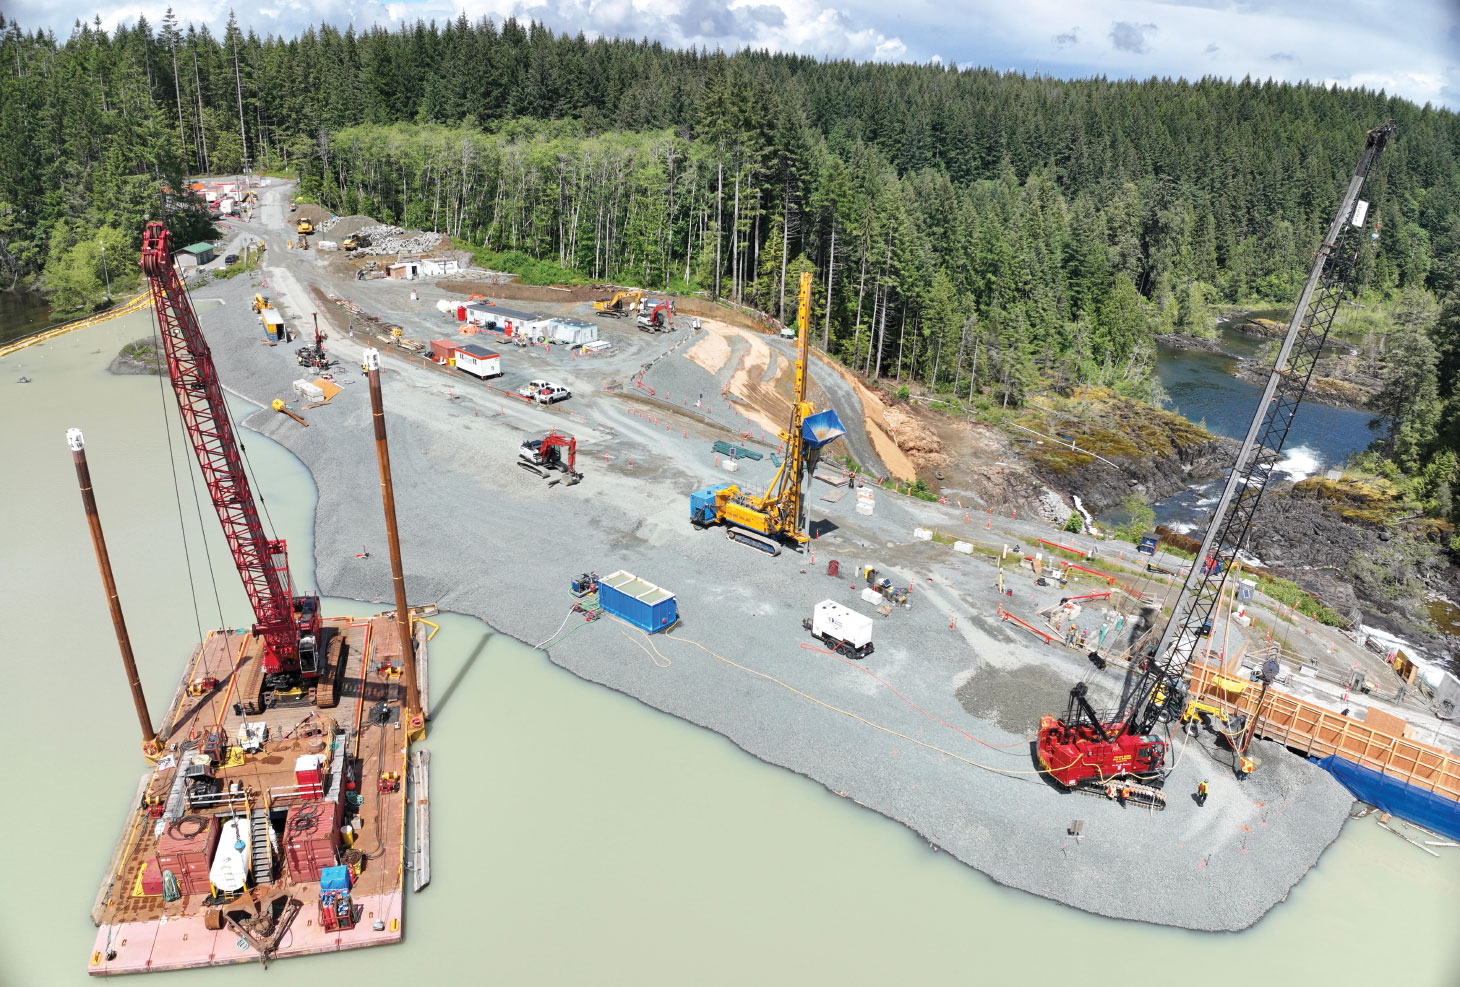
[(288, 625), (762, 522), (1086, 748)]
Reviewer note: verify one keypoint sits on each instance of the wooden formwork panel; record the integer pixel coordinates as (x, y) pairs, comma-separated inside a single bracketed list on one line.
[(1320, 732)]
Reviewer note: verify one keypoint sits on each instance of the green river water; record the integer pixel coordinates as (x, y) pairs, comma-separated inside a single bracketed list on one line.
[(578, 836)]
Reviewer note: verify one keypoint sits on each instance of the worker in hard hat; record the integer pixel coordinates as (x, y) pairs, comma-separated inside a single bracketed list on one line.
[(1201, 793), (1246, 768)]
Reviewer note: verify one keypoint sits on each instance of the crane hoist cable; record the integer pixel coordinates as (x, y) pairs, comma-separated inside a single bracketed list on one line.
[(177, 493)]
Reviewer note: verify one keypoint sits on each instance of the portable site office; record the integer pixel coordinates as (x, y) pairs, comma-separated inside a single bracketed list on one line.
[(648, 607), (478, 361)]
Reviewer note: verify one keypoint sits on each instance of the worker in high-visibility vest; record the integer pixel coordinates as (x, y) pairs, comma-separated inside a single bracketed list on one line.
[(1246, 768), (1201, 793)]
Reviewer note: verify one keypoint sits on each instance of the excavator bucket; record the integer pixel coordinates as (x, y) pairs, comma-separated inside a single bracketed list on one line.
[(822, 428)]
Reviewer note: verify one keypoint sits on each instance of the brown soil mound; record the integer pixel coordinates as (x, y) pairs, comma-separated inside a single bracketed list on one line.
[(920, 442), (710, 352)]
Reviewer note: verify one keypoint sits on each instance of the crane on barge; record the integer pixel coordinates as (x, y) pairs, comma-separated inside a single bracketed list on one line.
[(287, 625), (1086, 749)]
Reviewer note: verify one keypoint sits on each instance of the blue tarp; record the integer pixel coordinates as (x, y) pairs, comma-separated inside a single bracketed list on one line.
[(1434, 812), (334, 879)]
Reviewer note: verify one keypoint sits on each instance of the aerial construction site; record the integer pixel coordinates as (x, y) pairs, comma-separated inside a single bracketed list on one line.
[(697, 509)]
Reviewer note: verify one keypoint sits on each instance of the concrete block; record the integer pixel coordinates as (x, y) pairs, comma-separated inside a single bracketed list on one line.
[(730, 465), (922, 534), (962, 546)]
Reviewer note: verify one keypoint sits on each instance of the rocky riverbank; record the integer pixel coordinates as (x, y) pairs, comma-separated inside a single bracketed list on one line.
[(1340, 380), (1342, 377), (1195, 344), (1349, 544), (1117, 446)]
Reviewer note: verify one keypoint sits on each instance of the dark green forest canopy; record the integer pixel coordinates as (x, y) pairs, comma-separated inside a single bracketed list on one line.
[(976, 232)]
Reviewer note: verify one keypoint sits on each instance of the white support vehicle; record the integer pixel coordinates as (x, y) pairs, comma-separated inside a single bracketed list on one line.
[(840, 628)]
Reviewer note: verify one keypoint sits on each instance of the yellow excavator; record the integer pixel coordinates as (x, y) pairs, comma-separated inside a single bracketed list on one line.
[(765, 521), (622, 303)]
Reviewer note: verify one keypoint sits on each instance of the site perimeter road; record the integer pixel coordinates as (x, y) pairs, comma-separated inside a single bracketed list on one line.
[(905, 732)]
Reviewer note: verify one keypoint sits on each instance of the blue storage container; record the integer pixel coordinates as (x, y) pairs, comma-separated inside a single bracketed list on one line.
[(702, 504), (648, 607)]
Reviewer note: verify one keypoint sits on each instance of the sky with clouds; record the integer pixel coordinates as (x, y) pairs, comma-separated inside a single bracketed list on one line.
[(1410, 48)]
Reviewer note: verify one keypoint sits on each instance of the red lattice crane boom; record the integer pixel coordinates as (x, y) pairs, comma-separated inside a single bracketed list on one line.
[(262, 561)]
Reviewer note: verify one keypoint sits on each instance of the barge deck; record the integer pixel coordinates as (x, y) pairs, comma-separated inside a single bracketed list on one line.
[(299, 822)]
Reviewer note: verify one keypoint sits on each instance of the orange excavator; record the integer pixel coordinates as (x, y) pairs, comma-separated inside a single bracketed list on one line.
[(553, 451)]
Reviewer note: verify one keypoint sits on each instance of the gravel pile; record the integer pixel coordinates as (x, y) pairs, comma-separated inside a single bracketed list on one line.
[(386, 239), (343, 226), (454, 448)]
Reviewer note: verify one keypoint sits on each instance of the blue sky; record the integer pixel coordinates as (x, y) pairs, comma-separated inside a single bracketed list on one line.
[(1410, 47)]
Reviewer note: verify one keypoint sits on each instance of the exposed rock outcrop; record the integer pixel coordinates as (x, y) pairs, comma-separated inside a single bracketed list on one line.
[(1119, 446)]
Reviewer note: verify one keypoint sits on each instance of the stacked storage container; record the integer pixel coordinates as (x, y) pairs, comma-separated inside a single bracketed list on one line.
[(187, 851), (312, 838)]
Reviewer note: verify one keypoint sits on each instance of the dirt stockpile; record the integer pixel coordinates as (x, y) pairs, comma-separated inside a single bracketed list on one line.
[(340, 227), (920, 442)]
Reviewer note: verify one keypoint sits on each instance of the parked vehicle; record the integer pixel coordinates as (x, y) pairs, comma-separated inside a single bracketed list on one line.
[(531, 388), (553, 394)]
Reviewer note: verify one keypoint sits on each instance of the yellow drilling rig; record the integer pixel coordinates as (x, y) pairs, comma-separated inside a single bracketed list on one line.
[(777, 516)]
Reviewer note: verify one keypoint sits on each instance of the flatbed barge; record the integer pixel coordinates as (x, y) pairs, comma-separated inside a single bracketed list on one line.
[(312, 787)]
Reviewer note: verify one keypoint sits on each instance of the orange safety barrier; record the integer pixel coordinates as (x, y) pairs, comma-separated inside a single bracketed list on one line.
[(1063, 548)]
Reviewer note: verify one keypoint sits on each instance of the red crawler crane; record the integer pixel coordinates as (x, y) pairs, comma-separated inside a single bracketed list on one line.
[(287, 624), (1090, 748)]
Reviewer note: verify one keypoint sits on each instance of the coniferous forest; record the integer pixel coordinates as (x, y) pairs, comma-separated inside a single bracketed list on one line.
[(982, 234)]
